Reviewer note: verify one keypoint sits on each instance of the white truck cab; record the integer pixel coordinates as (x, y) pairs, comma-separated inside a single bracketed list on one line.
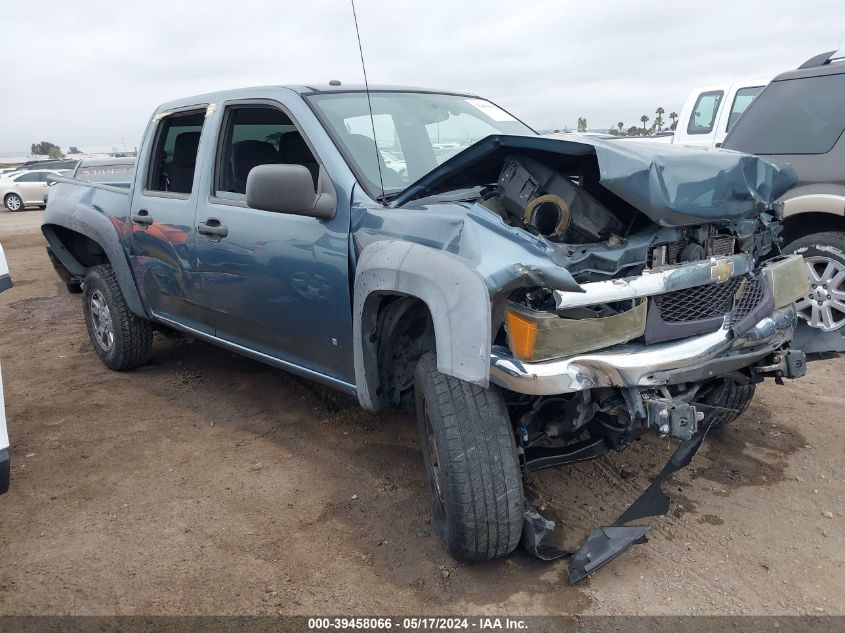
[(710, 112)]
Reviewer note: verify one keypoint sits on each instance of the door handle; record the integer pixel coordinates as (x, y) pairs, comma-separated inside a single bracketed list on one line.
[(212, 228), (142, 217)]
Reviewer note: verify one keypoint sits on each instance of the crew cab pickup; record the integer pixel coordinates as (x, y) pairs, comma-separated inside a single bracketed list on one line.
[(538, 301)]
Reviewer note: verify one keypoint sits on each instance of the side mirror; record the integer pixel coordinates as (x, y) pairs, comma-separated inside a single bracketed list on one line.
[(287, 189)]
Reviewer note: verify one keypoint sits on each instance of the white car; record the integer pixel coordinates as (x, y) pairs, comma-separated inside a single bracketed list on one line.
[(25, 188), (5, 471)]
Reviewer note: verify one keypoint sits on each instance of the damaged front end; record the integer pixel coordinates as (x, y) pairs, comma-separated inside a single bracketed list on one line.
[(649, 284)]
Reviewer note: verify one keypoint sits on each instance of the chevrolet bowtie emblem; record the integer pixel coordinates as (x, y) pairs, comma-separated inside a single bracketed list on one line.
[(722, 270)]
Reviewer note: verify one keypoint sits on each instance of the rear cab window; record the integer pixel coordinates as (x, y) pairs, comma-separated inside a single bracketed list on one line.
[(742, 99), (793, 116), (704, 113)]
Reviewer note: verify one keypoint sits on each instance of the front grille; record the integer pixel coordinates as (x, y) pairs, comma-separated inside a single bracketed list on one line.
[(700, 302), (752, 295)]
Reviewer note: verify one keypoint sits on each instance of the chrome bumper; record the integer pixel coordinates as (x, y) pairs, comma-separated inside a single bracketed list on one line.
[(640, 365)]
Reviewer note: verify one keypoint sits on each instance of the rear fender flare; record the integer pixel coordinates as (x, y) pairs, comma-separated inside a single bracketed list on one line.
[(97, 227), (457, 299)]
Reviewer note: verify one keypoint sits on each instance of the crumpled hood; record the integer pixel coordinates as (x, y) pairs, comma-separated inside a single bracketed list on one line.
[(672, 185)]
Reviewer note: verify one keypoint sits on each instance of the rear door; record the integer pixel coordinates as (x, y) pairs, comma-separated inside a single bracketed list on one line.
[(274, 283), (162, 215), (31, 186)]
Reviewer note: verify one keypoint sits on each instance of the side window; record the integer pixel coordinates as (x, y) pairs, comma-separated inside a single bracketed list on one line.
[(30, 176), (743, 99), (252, 136), (174, 155), (704, 113)]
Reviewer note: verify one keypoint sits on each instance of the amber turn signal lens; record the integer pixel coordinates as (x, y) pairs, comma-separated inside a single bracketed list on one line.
[(522, 335)]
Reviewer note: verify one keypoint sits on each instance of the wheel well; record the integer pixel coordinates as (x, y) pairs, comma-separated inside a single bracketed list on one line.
[(401, 331), (83, 249), (797, 226)]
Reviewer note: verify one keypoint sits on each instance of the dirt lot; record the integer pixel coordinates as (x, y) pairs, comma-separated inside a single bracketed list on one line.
[(208, 483)]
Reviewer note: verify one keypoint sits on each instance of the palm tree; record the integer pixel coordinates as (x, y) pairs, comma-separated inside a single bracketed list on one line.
[(620, 125), (644, 119), (658, 120), (674, 117)]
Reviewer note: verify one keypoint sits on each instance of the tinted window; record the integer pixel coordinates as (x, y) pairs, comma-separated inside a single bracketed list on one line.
[(174, 156), (257, 135), (797, 116), (32, 176), (742, 99), (704, 113)]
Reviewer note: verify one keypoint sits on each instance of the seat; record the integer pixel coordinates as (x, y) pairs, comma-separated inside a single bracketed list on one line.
[(180, 170), (249, 154), (371, 161), (295, 151)]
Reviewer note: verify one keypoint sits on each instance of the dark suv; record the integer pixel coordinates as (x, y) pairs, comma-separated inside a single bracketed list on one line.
[(798, 119)]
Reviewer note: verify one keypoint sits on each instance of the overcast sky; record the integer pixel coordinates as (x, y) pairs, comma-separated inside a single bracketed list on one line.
[(88, 73)]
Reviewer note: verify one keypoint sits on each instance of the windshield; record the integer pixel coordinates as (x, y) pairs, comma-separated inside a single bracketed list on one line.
[(414, 132)]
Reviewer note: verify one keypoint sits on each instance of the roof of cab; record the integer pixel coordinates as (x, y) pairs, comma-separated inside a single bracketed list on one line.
[(311, 89)]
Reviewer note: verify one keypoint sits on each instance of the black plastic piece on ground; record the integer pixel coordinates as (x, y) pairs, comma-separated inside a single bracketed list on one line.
[(539, 457), (606, 543), (602, 546)]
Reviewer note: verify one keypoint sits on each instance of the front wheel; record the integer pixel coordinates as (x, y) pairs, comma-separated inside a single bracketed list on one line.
[(121, 339), (824, 254), (470, 459), (13, 202)]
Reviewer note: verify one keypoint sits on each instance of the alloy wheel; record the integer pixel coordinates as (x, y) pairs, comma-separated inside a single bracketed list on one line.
[(824, 307), (102, 321)]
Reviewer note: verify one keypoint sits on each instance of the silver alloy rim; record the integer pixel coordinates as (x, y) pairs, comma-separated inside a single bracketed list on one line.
[(14, 203), (101, 316), (824, 307)]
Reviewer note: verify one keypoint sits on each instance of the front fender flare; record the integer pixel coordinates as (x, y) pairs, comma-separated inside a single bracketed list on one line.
[(97, 227), (457, 299)]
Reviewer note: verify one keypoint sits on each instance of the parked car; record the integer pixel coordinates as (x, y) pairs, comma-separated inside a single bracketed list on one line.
[(798, 120), (5, 464), (52, 164), (25, 188), (538, 301)]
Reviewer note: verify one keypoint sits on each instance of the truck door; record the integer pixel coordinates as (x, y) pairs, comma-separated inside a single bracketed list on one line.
[(274, 283), (162, 222)]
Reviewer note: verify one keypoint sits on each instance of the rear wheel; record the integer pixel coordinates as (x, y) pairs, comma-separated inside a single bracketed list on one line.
[(470, 459), (13, 202), (121, 339), (824, 253)]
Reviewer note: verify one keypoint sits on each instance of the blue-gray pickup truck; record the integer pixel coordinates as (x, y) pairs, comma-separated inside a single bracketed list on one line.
[(538, 300)]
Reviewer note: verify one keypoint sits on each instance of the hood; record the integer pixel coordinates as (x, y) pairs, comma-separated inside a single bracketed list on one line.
[(670, 184)]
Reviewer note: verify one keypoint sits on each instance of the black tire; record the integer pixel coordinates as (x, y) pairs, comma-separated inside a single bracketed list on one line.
[(470, 459), (15, 200), (819, 249), (131, 336), (726, 393)]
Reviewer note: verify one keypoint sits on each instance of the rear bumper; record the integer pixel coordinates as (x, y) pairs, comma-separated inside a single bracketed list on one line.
[(639, 365)]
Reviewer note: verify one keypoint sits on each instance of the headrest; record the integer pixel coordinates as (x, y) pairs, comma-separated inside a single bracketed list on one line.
[(185, 149)]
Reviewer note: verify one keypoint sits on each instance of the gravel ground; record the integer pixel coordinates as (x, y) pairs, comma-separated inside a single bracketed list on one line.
[(208, 483)]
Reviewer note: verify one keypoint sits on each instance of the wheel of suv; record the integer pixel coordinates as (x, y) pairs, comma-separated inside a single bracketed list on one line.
[(824, 253), (730, 397), (471, 463), (13, 202), (121, 339)]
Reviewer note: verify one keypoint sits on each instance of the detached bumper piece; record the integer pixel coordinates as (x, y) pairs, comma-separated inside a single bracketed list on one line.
[(5, 471), (606, 543)]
